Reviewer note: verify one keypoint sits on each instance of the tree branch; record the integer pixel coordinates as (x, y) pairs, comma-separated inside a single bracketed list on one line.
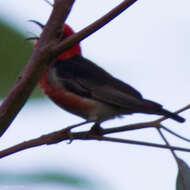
[(66, 134), (84, 33), (46, 50)]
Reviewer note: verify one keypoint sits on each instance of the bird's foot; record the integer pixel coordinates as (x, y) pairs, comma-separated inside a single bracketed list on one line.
[(96, 130)]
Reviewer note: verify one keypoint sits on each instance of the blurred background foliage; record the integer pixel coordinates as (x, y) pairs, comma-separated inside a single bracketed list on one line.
[(14, 53), (50, 178)]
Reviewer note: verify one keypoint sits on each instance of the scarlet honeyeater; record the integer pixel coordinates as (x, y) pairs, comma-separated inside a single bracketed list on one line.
[(79, 86)]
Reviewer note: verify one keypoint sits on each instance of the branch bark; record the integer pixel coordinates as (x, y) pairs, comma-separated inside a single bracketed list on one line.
[(48, 48), (65, 134), (84, 33), (35, 67)]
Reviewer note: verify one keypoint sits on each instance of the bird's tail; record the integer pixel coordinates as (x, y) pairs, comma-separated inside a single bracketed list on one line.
[(172, 115), (155, 108)]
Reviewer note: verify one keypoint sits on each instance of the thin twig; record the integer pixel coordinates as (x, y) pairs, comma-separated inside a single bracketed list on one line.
[(126, 141), (175, 134), (167, 143), (49, 3), (173, 152), (130, 127)]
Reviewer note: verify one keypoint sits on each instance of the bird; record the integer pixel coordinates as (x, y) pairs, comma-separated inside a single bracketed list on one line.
[(81, 87)]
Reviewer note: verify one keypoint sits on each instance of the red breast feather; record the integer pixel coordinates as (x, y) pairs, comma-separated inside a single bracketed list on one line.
[(66, 100)]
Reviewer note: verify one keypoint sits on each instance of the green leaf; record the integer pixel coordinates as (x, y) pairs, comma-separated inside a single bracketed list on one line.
[(14, 54), (183, 178)]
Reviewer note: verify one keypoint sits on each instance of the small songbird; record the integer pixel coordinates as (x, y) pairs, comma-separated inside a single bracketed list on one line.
[(79, 86)]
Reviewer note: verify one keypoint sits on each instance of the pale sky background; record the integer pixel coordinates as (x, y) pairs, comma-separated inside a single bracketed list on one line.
[(147, 47)]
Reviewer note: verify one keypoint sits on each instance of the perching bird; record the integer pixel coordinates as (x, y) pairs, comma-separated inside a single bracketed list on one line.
[(79, 86)]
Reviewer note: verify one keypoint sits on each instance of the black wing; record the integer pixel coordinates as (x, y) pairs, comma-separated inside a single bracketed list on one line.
[(85, 78)]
